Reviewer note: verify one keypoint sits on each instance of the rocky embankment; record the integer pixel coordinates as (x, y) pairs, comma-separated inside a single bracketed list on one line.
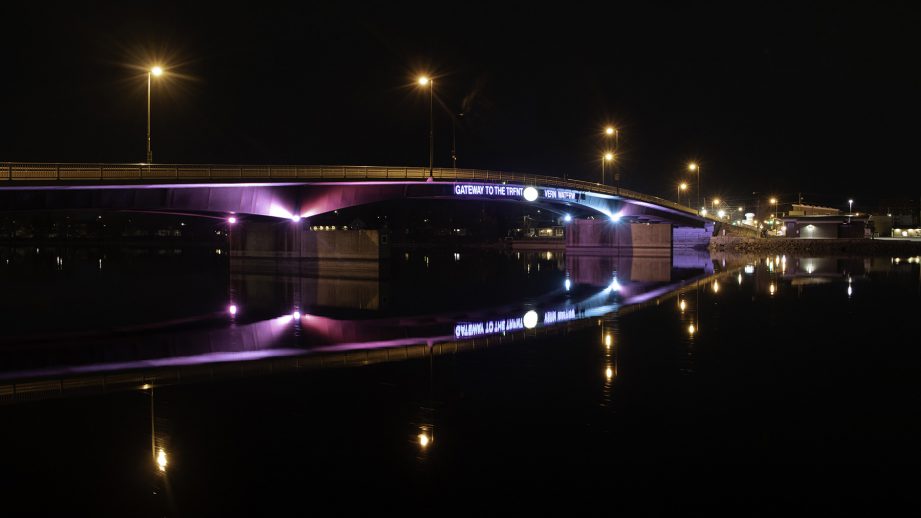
[(780, 245)]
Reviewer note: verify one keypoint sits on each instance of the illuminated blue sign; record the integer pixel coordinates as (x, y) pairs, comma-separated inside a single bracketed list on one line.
[(559, 194), (512, 191), (488, 190)]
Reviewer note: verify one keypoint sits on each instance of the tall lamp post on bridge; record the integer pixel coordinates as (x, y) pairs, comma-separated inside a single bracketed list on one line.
[(607, 157), (427, 81), (609, 132), (155, 71), (695, 167)]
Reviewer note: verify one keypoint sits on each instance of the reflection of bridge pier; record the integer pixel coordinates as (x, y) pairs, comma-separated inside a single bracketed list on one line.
[(597, 270), (274, 293), (287, 247)]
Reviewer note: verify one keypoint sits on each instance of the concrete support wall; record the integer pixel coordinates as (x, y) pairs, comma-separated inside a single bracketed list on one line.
[(692, 237), (725, 229), (285, 247), (599, 236)]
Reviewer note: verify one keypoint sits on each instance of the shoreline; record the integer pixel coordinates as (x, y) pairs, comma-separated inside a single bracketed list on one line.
[(865, 247)]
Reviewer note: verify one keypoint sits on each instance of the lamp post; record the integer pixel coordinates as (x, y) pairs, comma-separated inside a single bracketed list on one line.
[(774, 216), (611, 131), (694, 167), (427, 81), (850, 206), (156, 71), (683, 186), (607, 157)]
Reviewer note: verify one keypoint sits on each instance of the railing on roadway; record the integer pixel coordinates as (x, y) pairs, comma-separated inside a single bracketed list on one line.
[(41, 172)]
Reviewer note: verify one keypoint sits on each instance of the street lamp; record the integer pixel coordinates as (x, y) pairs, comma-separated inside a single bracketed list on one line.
[(850, 206), (607, 157), (427, 81), (155, 71), (694, 167), (681, 187), (611, 131), (774, 216)]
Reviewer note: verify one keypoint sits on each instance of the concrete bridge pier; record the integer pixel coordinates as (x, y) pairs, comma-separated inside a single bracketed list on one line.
[(692, 237), (602, 236), (287, 247)]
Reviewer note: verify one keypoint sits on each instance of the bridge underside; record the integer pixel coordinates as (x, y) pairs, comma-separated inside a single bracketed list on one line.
[(304, 200)]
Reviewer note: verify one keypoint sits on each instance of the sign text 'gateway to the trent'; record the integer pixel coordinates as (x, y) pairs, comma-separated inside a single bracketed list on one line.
[(511, 191)]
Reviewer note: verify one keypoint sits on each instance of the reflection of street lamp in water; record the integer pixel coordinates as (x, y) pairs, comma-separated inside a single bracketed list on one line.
[(424, 439), (161, 460), (158, 456)]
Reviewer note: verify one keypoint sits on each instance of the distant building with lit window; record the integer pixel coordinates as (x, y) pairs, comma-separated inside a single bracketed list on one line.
[(825, 226)]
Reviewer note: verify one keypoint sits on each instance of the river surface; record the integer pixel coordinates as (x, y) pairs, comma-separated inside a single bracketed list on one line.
[(158, 382)]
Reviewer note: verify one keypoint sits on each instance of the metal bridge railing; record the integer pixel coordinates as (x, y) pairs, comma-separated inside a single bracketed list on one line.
[(48, 172)]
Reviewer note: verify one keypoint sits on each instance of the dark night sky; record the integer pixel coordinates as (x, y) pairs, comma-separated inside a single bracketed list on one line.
[(770, 97)]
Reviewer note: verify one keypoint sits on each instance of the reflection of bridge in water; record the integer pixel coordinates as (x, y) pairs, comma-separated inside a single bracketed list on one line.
[(302, 337)]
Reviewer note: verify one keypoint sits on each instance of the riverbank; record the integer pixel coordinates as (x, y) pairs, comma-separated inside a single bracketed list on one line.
[(780, 245)]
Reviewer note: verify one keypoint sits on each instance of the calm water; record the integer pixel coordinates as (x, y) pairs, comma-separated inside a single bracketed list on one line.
[(455, 377)]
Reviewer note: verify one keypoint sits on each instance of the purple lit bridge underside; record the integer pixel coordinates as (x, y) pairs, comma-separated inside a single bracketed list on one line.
[(299, 199)]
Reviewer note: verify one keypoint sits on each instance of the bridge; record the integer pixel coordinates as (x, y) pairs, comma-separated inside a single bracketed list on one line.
[(301, 192)]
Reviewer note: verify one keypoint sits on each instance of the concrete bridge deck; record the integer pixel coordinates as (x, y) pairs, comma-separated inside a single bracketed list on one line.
[(36, 175)]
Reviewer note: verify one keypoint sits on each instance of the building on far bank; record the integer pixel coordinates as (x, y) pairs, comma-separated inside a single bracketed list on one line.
[(826, 226), (799, 209)]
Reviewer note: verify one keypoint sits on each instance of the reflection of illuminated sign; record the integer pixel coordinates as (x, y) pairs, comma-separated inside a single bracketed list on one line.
[(467, 329), (528, 321), (551, 317)]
